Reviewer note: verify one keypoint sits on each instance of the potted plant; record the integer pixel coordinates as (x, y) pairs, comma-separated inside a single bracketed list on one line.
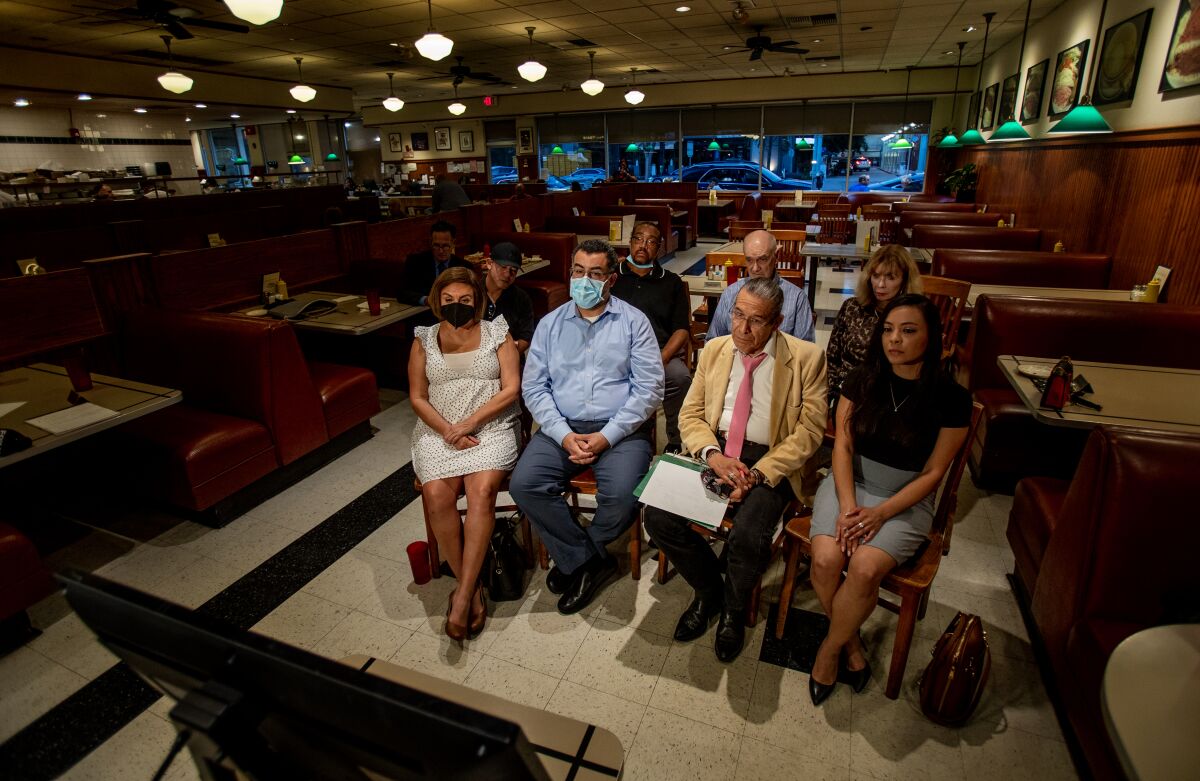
[(961, 183)]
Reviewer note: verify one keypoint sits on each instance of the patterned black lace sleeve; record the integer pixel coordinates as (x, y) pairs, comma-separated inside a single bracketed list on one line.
[(848, 342)]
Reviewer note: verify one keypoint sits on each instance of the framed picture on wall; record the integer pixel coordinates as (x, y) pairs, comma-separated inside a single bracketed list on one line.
[(466, 140), (420, 142), (441, 139), (1121, 60), (1182, 68), (1031, 97), (1008, 99), (973, 111), (524, 140), (1064, 90), (987, 116), (395, 142)]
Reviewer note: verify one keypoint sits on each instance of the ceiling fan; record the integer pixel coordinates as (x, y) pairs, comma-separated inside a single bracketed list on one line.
[(173, 18), (462, 72), (759, 43)]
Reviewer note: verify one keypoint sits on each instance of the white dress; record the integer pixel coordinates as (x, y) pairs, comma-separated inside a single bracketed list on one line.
[(456, 392)]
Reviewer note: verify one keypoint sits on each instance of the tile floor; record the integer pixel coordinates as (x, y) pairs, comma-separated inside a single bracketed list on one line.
[(676, 710)]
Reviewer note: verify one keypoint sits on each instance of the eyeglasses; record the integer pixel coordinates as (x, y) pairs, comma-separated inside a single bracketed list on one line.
[(756, 323), (437, 245), (649, 241), (598, 274)]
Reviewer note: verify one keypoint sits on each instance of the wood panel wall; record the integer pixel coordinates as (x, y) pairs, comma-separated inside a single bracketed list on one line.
[(1133, 195)]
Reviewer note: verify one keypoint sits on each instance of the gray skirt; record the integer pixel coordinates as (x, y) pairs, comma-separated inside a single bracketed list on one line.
[(901, 536)]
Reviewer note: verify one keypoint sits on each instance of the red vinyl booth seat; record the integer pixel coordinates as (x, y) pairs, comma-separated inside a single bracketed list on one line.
[(911, 218), (970, 237), (1009, 443), (1036, 269), (1105, 555), (348, 394), (24, 580)]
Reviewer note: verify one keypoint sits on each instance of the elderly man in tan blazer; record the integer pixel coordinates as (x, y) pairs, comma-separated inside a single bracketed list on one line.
[(755, 414)]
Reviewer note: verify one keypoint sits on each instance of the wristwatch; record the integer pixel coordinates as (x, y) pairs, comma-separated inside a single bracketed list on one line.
[(759, 476)]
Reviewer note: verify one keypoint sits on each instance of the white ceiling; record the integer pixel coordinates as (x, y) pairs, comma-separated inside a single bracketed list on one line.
[(348, 44)]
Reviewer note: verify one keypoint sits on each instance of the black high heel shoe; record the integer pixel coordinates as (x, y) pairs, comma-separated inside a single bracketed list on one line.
[(857, 679), (819, 692)]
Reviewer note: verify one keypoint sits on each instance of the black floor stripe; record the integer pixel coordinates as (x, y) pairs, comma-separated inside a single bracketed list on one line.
[(71, 730)]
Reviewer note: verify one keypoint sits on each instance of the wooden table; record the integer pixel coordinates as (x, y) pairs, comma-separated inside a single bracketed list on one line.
[(699, 285), (799, 212), (1143, 396), (1090, 294), (568, 749), (709, 216), (1151, 702), (43, 389), (732, 250), (615, 244), (814, 251), (347, 318)]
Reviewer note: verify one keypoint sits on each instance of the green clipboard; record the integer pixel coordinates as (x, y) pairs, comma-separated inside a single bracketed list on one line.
[(683, 461)]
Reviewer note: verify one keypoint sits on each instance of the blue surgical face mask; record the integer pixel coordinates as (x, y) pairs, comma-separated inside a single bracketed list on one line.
[(587, 293), (635, 264)]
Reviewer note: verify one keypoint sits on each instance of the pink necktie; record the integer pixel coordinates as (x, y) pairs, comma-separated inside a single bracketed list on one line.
[(741, 407)]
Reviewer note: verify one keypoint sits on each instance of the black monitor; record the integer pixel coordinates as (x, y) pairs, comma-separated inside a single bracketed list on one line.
[(277, 712)]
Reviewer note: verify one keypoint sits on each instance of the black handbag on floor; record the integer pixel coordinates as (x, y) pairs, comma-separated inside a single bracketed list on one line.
[(505, 565)]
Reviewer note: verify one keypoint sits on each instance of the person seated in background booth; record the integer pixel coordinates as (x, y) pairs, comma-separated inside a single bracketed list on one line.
[(623, 173), (463, 379), (349, 186), (103, 192), (519, 192), (208, 187), (593, 378), (900, 422), (890, 272), (422, 268), (863, 185), (662, 296), (448, 194), (759, 247), (755, 414), (506, 299)]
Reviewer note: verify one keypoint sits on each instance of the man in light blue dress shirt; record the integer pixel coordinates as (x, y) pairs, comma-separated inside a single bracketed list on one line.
[(593, 378), (759, 248)]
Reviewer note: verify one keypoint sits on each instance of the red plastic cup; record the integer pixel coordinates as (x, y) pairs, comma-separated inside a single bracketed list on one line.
[(418, 560), (731, 274), (373, 302)]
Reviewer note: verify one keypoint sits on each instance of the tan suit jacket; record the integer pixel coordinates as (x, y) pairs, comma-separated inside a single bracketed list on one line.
[(799, 406)]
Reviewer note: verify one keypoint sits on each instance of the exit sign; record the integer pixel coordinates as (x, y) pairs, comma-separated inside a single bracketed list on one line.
[(491, 101)]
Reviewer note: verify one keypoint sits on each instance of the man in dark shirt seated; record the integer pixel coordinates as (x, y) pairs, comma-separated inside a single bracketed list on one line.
[(448, 194), (504, 298), (422, 268), (663, 298)]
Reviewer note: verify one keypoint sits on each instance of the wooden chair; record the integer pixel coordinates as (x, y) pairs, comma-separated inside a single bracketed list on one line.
[(739, 229), (950, 298), (722, 534), (788, 259), (911, 580), (435, 558), (834, 228)]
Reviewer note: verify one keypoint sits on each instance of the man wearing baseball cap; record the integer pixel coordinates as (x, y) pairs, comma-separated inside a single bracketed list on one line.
[(505, 298)]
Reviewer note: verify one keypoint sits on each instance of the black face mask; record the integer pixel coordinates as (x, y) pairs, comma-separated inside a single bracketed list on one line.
[(457, 314)]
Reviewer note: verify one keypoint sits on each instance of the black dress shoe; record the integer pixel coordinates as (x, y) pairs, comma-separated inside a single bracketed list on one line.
[(819, 692), (586, 581), (557, 580), (698, 617), (731, 634)]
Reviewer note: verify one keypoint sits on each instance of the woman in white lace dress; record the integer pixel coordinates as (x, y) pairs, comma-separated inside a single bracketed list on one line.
[(464, 378)]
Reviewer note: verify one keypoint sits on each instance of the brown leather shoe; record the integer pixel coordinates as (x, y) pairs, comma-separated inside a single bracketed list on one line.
[(456, 632), (478, 619)]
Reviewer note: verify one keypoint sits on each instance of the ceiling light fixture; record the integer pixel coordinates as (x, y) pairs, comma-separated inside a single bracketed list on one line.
[(740, 14), (331, 156), (392, 103), (295, 159), (290, 111), (201, 105), (187, 119), (634, 95), (1084, 117), (713, 146), (973, 137), (951, 139), (433, 45), (255, 11), (393, 44), (456, 108), (172, 80), (139, 110), (235, 116), (21, 102), (302, 92), (83, 96), (683, 9), (902, 142), (817, 40), (593, 86), (1012, 130), (531, 69), (970, 28)]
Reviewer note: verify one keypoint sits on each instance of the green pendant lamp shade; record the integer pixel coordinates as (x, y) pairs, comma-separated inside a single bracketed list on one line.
[(902, 143), (1084, 118), (632, 147), (950, 141), (240, 160), (331, 156), (713, 146), (295, 160), (803, 144), (1010, 131), (557, 150), (971, 138)]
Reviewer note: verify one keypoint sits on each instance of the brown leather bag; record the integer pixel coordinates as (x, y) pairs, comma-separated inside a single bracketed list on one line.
[(953, 682)]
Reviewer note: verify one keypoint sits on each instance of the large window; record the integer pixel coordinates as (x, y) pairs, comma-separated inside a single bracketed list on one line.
[(571, 150), (721, 148), (801, 143), (646, 141)]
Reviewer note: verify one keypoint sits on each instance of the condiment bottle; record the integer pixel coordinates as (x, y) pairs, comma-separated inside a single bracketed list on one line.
[(1153, 287), (281, 290), (1059, 247), (1000, 223)]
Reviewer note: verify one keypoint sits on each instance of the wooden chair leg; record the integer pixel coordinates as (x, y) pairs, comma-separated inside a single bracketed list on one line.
[(924, 605), (905, 627), (787, 587), (752, 608), (635, 547), (435, 558), (664, 567), (543, 555), (527, 539)]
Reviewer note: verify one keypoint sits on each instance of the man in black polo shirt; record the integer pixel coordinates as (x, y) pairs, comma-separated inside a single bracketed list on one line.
[(504, 298), (422, 268), (663, 297)]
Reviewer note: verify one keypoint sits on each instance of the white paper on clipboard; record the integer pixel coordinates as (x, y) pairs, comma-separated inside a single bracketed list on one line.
[(677, 489)]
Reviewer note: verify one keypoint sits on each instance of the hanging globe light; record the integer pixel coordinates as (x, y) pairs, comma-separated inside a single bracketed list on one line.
[(634, 95), (531, 69), (593, 86), (255, 11), (392, 103), (456, 108), (433, 45), (302, 92), (172, 80)]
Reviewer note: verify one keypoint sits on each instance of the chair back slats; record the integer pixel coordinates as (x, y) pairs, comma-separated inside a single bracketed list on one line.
[(833, 228), (788, 259), (950, 298), (947, 503)]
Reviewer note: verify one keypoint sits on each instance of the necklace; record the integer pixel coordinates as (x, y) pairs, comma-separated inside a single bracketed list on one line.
[(892, 392)]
